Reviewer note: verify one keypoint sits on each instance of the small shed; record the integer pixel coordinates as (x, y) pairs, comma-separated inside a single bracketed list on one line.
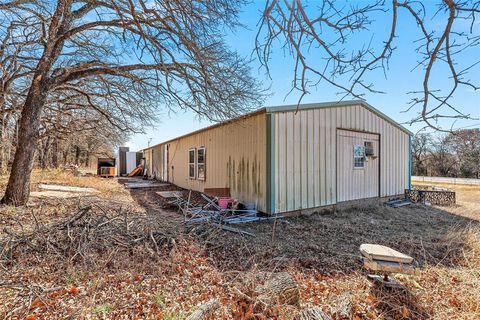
[(290, 158), (106, 167)]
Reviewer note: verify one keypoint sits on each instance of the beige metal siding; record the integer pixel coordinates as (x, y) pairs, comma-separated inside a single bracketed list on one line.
[(148, 158), (235, 158), (319, 127), (154, 157)]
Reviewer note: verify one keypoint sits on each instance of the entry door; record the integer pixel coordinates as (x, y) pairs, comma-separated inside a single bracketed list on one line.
[(358, 164)]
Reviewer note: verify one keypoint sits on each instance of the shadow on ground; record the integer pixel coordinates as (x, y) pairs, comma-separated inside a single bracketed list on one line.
[(397, 303), (328, 242)]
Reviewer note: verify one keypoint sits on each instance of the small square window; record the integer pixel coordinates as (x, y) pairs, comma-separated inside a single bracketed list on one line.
[(358, 156), (359, 162)]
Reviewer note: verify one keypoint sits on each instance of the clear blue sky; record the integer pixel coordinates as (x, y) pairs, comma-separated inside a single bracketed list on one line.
[(400, 79)]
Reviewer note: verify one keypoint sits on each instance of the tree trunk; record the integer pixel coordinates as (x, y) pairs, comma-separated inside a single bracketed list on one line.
[(55, 153), (279, 288), (204, 310), (77, 155), (3, 129), (18, 190), (55, 144), (65, 157), (44, 152)]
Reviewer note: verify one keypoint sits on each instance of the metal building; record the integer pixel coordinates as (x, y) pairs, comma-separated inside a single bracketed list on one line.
[(287, 158)]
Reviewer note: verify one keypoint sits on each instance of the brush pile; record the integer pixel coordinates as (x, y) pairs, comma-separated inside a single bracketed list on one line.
[(81, 237)]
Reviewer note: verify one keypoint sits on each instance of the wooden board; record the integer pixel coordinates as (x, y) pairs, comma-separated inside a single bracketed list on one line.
[(388, 266), (55, 187), (379, 252), (139, 185), (135, 172), (169, 194), (58, 194), (217, 192)]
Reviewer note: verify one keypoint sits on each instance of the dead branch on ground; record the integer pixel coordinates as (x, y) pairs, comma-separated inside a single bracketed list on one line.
[(85, 234)]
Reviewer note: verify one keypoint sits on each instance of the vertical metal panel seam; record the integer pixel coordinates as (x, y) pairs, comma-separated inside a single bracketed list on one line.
[(380, 156), (337, 124), (409, 162)]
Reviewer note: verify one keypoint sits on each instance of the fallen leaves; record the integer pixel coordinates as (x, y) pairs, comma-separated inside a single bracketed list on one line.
[(36, 303), (405, 312), (73, 291)]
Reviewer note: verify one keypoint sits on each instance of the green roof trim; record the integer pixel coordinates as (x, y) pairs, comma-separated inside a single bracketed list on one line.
[(336, 104), (410, 163), (270, 165)]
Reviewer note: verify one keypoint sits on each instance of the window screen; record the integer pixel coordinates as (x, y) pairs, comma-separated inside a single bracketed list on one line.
[(358, 156), (191, 163), (201, 163)]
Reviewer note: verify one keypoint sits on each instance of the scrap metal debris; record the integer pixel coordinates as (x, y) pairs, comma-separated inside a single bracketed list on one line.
[(398, 202), (169, 194), (144, 184), (209, 212)]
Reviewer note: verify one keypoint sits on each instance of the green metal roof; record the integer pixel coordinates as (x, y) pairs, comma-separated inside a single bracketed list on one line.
[(336, 104)]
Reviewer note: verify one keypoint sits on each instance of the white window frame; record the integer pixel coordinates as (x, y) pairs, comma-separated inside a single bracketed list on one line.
[(355, 157), (194, 164), (198, 164)]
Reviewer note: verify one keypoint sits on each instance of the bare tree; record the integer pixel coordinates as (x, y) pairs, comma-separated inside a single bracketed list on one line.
[(421, 145), (442, 161), (112, 54), (466, 145), (333, 43), (18, 40), (68, 126)]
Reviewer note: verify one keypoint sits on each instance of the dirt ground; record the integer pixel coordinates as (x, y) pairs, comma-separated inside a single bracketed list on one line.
[(320, 251)]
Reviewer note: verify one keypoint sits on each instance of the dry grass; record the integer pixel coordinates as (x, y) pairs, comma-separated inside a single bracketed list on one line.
[(58, 176), (47, 209), (468, 197), (320, 251), (69, 178)]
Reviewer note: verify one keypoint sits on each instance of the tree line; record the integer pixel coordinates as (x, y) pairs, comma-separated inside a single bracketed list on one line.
[(71, 139), (456, 154), (79, 74)]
